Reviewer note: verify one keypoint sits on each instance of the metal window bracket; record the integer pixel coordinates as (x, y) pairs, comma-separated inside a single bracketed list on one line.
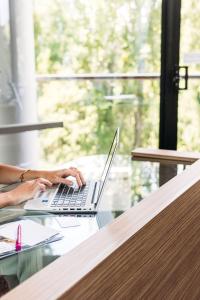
[(177, 77)]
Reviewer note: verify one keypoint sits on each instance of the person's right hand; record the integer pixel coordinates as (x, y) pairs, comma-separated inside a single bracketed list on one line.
[(28, 190)]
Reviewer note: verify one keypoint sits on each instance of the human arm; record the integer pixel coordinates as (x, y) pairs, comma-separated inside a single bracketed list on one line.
[(60, 176), (23, 192), (34, 180), (10, 174)]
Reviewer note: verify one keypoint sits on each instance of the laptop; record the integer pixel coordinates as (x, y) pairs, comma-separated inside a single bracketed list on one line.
[(85, 199)]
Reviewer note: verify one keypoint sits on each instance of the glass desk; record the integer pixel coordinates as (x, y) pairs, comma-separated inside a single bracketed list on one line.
[(128, 183)]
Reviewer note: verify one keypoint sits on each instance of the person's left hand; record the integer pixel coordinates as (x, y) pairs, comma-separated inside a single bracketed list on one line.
[(60, 176)]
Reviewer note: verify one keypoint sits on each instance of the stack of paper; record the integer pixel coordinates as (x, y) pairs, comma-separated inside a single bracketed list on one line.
[(32, 234)]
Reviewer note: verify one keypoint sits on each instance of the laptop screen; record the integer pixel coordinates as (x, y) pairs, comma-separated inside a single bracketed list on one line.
[(108, 163)]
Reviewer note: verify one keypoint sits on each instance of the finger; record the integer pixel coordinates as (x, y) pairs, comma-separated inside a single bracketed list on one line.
[(42, 187), (78, 175), (78, 179), (38, 187), (82, 178), (44, 181), (65, 181), (73, 170)]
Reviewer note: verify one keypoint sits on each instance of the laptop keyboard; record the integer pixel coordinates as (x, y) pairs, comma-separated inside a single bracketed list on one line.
[(70, 197)]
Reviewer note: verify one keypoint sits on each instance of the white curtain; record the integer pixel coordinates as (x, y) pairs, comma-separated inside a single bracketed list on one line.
[(4, 12)]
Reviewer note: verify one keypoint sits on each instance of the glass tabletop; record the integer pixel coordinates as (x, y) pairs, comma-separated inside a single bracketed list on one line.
[(129, 182)]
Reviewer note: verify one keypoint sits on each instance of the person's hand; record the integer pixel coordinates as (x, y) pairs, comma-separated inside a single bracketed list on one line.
[(60, 176), (27, 190)]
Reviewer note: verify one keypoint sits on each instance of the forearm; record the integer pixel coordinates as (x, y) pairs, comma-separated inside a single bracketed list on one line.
[(10, 174), (5, 199)]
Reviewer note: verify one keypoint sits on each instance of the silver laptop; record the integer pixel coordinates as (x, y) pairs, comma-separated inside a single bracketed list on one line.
[(67, 199)]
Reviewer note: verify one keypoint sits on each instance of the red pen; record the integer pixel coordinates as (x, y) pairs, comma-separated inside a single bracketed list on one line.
[(18, 243)]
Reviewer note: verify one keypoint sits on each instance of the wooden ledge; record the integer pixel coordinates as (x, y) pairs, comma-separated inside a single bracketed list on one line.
[(165, 155)]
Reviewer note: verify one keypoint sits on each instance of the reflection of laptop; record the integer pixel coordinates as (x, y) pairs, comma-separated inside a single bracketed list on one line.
[(78, 200)]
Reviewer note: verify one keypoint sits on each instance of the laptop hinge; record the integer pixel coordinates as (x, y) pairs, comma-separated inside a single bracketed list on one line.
[(95, 194)]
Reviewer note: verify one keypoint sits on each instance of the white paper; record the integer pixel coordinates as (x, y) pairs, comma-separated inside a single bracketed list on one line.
[(68, 221), (32, 233), (5, 247)]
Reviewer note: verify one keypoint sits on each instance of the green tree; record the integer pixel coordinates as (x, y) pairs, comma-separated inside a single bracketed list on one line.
[(98, 36)]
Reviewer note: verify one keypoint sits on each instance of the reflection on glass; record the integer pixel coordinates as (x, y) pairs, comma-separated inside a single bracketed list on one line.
[(90, 120), (149, 176), (129, 182)]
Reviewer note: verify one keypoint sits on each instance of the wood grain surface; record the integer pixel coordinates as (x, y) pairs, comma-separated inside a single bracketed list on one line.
[(165, 155)]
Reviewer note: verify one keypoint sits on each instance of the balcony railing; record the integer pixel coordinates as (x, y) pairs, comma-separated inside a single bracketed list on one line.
[(111, 76), (93, 76)]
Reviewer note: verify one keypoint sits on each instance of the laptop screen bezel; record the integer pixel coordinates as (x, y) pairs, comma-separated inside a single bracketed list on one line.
[(111, 155)]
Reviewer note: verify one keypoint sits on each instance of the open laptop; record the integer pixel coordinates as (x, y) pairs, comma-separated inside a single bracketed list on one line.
[(65, 199)]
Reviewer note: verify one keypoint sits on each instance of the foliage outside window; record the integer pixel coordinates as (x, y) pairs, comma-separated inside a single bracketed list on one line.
[(98, 36)]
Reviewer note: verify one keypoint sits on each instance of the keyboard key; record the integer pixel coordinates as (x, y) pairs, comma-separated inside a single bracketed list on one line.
[(69, 196)]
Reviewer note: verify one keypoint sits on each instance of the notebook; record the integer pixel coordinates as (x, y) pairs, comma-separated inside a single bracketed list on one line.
[(39, 235), (67, 199)]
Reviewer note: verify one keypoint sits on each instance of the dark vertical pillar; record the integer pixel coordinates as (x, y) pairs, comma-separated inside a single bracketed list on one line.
[(170, 41), (167, 172)]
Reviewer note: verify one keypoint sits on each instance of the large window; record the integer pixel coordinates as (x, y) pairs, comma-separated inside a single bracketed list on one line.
[(189, 101), (107, 56)]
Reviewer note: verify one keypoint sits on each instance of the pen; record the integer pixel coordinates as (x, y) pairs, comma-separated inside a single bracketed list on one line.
[(18, 244)]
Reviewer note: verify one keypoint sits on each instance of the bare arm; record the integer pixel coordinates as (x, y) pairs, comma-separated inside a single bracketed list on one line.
[(10, 174), (23, 192), (34, 180), (5, 199)]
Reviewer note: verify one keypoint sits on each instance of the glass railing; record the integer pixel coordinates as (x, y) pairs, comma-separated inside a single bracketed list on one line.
[(92, 109), (129, 182)]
